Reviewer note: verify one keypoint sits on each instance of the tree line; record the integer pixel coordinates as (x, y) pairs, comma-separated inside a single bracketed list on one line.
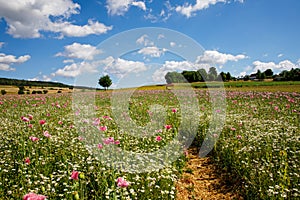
[(202, 75), (17, 82)]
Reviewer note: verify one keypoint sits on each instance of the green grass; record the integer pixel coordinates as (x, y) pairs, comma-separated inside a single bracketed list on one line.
[(246, 84), (259, 144)]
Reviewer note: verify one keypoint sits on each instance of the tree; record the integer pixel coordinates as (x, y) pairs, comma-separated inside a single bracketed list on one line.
[(191, 76), (105, 82), (212, 74), (260, 75), (203, 74), (222, 76), (228, 76), (269, 73), (174, 77), (246, 78)]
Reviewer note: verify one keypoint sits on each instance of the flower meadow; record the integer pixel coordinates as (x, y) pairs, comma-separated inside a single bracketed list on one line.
[(51, 150)]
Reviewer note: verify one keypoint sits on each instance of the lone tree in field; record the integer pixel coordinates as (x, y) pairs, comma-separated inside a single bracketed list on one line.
[(105, 81)]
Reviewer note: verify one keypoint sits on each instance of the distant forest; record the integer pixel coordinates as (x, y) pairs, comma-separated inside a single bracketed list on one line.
[(17, 82), (202, 75)]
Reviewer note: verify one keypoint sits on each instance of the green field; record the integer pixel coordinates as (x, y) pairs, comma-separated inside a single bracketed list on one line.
[(46, 142)]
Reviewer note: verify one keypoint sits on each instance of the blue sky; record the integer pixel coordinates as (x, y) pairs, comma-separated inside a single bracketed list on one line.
[(59, 40)]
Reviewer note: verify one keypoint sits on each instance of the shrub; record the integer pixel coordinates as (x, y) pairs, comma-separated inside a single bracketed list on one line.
[(21, 92), (3, 92), (45, 91)]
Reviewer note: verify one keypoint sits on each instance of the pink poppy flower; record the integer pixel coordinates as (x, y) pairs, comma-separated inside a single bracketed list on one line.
[(42, 122), (27, 161), (233, 129), (121, 182), (102, 128), (174, 110), (60, 122), (74, 175), (30, 116), (117, 142), (168, 127), (46, 134), (107, 117), (30, 125), (33, 196), (96, 122), (239, 137), (158, 138), (25, 119), (186, 153), (109, 140), (100, 146), (80, 138), (33, 139)]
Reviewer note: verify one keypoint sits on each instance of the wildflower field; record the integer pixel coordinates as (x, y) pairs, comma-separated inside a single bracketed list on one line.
[(44, 152)]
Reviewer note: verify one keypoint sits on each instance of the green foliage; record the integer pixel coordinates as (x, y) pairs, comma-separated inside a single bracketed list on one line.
[(3, 92), (212, 74), (21, 90), (222, 76), (191, 76), (53, 158), (203, 74), (228, 76), (174, 77), (268, 73), (259, 145), (36, 92), (292, 75), (105, 81), (8, 81), (246, 78), (21, 87)]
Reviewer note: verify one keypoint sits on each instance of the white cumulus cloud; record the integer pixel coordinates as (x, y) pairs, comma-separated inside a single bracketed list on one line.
[(215, 57), (80, 51), (7, 60), (114, 66), (28, 18), (144, 40), (120, 7), (188, 9), (283, 65), (152, 51), (120, 67), (75, 69)]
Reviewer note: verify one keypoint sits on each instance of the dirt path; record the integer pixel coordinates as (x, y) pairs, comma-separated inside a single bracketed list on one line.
[(201, 180)]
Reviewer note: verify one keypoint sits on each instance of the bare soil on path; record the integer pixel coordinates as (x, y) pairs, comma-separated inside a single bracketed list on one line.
[(202, 180)]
